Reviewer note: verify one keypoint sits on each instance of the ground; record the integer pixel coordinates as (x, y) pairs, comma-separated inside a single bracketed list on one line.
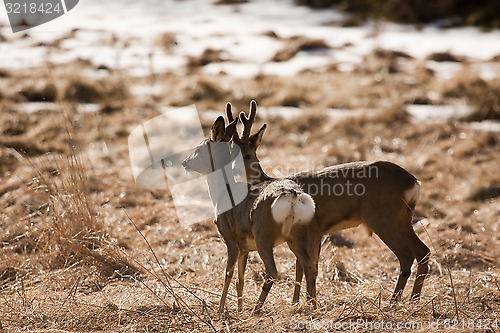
[(84, 248)]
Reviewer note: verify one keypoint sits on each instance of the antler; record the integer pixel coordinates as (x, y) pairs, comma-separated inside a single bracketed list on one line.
[(229, 114), (230, 120), (248, 121)]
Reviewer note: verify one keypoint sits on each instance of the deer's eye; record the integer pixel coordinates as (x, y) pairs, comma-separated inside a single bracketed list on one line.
[(247, 157)]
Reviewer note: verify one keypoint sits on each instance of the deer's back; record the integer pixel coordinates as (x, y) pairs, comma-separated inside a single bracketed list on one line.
[(343, 191)]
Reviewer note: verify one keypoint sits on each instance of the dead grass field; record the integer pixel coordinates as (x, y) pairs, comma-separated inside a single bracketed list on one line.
[(83, 248)]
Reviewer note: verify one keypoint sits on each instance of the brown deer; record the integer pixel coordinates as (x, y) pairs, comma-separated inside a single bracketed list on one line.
[(271, 213), (381, 195)]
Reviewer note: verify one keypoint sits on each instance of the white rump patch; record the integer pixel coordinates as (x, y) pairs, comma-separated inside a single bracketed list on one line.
[(413, 193), (289, 210), (304, 208), (282, 208)]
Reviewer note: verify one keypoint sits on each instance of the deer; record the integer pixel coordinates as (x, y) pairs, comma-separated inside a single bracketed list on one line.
[(382, 197), (272, 213)]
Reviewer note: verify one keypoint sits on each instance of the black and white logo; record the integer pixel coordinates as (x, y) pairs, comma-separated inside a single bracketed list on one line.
[(26, 14)]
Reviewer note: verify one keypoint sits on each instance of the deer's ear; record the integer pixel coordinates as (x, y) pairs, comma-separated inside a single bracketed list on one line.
[(218, 129), (256, 138), (230, 131)]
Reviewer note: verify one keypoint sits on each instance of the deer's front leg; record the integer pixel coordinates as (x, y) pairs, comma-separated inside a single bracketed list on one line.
[(232, 257), (242, 264)]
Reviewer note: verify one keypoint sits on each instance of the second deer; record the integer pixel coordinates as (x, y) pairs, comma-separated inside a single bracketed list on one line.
[(384, 204)]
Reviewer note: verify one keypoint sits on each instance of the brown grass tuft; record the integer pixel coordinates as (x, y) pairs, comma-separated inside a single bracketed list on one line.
[(464, 85), (445, 56), (230, 2), (207, 57), (486, 103), (391, 54), (392, 114), (41, 92), (4, 73), (482, 95), (76, 234), (8, 163), (296, 44), (81, 90), (485, 193), (167, 41), (35, 137), (294, 99), (7, 274), (271, 34), (206, 89)]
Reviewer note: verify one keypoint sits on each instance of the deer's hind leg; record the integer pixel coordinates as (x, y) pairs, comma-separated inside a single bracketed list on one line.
[(396, 231), (305, 259), (299, 272), (265, 250)]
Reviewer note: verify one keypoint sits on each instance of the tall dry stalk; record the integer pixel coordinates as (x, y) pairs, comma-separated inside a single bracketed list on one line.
[(76, 232)]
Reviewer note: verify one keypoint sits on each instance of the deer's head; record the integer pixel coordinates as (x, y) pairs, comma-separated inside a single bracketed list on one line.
[(248, 144), (213, 153)]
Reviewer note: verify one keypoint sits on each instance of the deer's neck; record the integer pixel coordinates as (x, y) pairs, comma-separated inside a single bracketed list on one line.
[(255, 174), (220, 185)]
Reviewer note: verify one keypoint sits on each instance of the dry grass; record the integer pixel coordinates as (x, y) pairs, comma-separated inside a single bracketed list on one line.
[(486, 103), (447, 13), (296, 44), (444, 56), (82, 90), (45, 92), (482, 95), (167, 41), (83, 248), (207, 57)]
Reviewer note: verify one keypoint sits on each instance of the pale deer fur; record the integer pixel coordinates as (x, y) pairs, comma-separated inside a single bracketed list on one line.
[(290, 209), (385, 207), (272, 213)]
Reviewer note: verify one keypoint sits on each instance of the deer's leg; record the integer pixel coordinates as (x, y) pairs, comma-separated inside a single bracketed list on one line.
[(405, 261), (419, 250), (399, 247), (422, 254), (397, 233), (315, 252), (309, 267), (232, 257), (266, 254), (242, 264), (299, 272)]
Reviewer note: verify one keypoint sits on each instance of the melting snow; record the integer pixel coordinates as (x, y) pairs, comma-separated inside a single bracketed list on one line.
[(124, 33)]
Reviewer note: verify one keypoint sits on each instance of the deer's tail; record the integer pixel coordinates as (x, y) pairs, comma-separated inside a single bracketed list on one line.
[(290, 209)]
